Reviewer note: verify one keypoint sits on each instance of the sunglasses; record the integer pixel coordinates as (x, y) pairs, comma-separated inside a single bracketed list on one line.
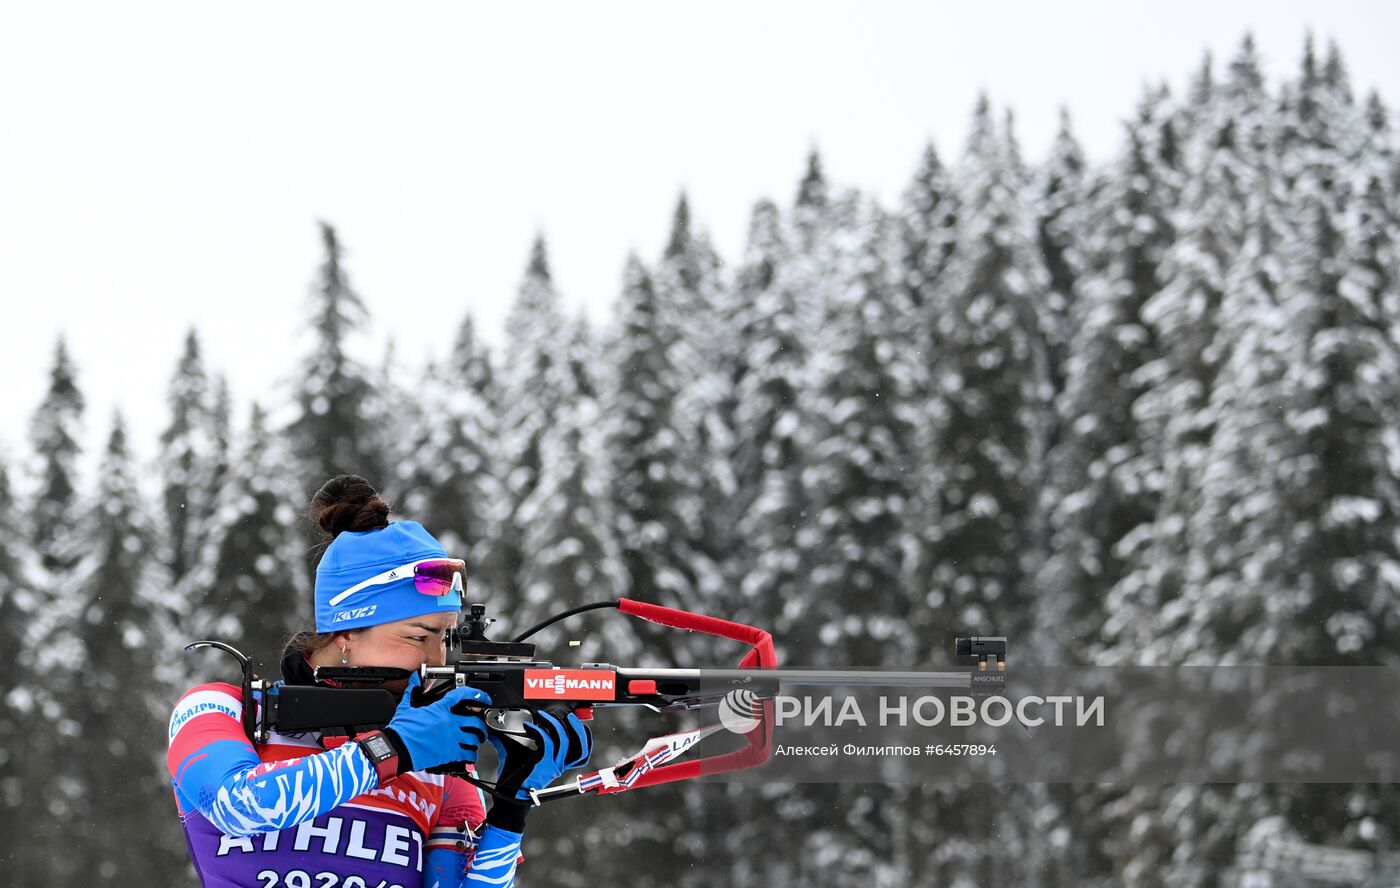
[(432, 576)]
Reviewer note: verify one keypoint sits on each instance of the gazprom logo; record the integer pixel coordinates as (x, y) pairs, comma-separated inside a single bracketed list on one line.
[(354, 613), (203, 703), (178, 721)]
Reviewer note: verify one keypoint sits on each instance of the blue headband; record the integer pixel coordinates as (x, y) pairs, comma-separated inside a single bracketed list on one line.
[(355, 557)]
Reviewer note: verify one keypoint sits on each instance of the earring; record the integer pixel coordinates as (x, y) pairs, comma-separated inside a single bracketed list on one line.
[(344, 657)]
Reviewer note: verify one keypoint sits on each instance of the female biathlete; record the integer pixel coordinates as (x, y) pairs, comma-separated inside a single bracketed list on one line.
[(306, 811)]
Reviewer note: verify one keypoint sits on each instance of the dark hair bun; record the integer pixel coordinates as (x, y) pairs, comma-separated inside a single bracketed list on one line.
[(348, 502)]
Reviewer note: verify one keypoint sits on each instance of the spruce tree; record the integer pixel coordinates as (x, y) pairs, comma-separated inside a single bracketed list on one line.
[(1099, 466), (1342, 492), (56, 435), (252, 577), (1186, 320), (656, 511), (530, 400), (1061, 195), (928, 229), (188, 401), (655, 501), (696, 323), (452, 469), (855, 610), (192, 460), (333, 427), (125, 629), (857, 483), (393, 413), (58, 529), (772, 428), (573, 556), (1185, 317), (816, 260), (329, 433), (989, 410), (17, 705)]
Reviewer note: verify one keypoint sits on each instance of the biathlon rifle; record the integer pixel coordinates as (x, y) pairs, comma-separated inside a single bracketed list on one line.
[(519, 685)]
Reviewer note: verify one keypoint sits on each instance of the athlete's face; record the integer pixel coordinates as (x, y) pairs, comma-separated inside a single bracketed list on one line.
[(404, 644)]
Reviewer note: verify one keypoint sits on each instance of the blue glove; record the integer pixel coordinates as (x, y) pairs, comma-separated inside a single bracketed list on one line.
[(437, 727), (561, 742)]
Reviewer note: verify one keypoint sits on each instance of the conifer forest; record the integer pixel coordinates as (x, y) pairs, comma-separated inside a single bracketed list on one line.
[(1144, 410)]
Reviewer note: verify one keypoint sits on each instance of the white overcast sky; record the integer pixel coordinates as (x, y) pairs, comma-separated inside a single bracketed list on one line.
[(162, 165)]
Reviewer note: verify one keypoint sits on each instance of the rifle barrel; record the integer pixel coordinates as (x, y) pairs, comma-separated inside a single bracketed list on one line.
[(811, 677)]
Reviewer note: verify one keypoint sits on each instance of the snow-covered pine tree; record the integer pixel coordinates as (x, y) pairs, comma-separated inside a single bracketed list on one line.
[(928, 234), (1343, 497), (851, 608), (655, 499), (811, 204), (1061, 195), (191, 461), (1319, 130), (929, 825), (574, 557), (1273, 560), (982, 431), (1185, 317), (656, 508), (394, 411), (329, 434), (56, 537), (17, 710), (180, 456), (452, 476), (928, 228), (693, 315), (1222, 164), (762, 564), (1099, 467), (332, 430), (1380, 153), (126, 628), (1373, 268), (1153, 604), (254, 590), (530, 399), (222, 426), (1312, 531), (1222, 600), (1334, 75), (1174, 428), (816, 255), (56, 435), (857, 483), (772, 437), (989, 406)]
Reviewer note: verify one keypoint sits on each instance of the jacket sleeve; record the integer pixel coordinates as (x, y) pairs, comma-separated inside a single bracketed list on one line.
[(487, 861), (460, 854), (216, 771)]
